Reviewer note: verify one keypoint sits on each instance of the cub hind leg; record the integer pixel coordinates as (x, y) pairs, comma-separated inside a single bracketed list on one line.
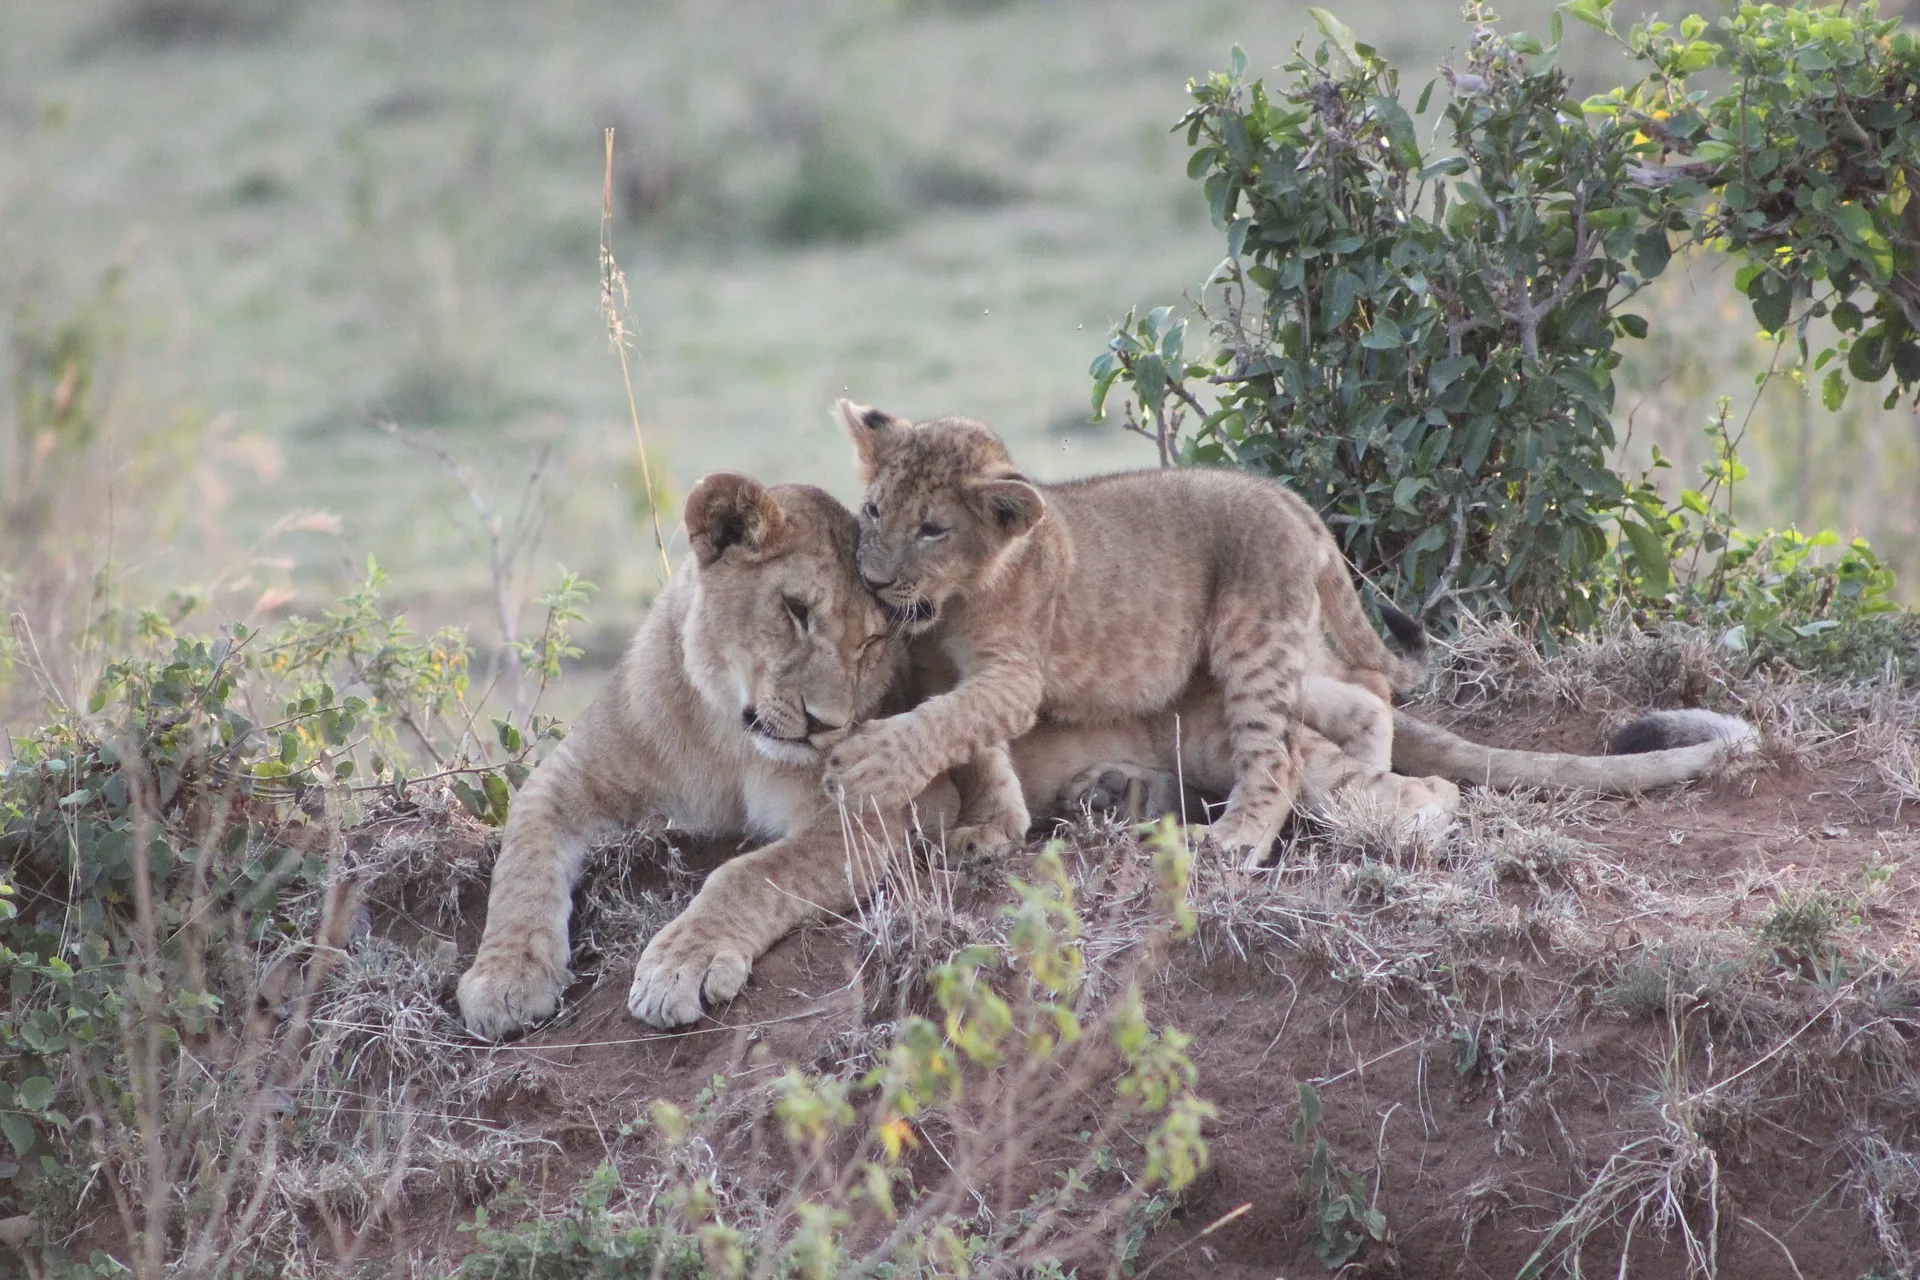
[(1257, 652)]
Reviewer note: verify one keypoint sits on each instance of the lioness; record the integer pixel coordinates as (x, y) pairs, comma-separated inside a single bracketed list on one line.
[(758, 656), (1094, 602)]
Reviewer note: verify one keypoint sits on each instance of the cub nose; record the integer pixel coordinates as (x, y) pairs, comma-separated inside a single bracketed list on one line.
[(876, 584), (749, 717)]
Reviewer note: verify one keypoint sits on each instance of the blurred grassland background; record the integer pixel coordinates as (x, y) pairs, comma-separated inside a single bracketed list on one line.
[(237, 236)]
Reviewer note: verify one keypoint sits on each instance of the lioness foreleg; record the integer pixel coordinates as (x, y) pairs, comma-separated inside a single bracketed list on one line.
[(520, 970)]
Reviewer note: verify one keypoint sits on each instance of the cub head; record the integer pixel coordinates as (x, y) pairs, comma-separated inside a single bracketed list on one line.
[(943, 508), (781, 635)]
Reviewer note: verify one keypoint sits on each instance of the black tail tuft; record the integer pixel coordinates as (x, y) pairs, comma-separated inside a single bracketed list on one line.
[(1666, 730), (1649, 733), (1408, 634)]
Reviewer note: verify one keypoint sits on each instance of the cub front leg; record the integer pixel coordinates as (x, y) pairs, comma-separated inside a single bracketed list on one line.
[(888, 762), (993, 813), (520, 970)]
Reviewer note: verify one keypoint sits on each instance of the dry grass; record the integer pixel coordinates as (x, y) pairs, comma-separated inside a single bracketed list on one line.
[(1720, 999)]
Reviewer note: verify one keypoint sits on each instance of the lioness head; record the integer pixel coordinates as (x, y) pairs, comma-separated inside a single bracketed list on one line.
[(781, 634), (943, 506)]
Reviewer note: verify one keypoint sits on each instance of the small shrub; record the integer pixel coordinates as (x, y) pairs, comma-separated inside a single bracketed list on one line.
[(1344, 1222), (1802, 923), (1424, 345), (836, 194), (1011, 1054), (159, 848)]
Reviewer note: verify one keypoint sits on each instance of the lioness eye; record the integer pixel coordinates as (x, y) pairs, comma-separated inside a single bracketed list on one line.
[(931, 532), (797, 611), (871, 511)]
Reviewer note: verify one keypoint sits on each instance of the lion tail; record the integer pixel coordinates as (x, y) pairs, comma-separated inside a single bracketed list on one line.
[(1659, 749), (1359, 644)]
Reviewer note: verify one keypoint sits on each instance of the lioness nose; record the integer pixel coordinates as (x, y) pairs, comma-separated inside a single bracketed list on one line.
[(749, 716)]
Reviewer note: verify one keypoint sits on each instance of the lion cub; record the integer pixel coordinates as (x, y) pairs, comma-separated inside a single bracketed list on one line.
[(1094, 602), (758, 656)]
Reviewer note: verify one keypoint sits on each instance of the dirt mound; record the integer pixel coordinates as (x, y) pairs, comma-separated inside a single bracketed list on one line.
[(1674, 1034)]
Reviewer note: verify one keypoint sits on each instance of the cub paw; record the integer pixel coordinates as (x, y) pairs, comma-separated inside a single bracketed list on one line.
[(683, 966), (982, 839), (866, 769), (505, 992), (1245, 840)]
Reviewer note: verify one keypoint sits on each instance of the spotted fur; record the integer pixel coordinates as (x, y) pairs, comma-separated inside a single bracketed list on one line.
[(1094, 602)]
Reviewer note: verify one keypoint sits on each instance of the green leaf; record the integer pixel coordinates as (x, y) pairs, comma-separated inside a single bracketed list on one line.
[(1652, 252), (1336, 32), (1384, 336), (1833, 390), (1399, 130), (1871, 356), (1342, 292), (19, 1131), (498, 798), (1771, 309), (35, 1093), (1854, 222), (1591, 12), (1649, 557)]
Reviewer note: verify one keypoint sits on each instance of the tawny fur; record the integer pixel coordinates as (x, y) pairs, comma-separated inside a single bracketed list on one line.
[(1422, 748), (758, 656), (1092, 603), (1174, 762)]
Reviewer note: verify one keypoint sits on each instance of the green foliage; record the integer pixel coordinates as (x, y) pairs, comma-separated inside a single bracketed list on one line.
[(587, 1243), (154, 842), (1344, 1222), (1003, 1047), (1807, 140), (836, 195), (1422, 340), (1777, 596)]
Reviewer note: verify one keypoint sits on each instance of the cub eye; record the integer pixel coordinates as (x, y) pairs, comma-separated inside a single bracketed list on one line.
[(797, 611), (931, 532), (871, 511)]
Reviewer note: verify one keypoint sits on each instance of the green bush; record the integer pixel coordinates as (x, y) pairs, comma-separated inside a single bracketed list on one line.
[(1011, 1053), (1422, 341), (155, 845)]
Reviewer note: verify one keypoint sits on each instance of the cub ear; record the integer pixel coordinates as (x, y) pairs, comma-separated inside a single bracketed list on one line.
[(1012, 505), (873, 432), (727, 510)]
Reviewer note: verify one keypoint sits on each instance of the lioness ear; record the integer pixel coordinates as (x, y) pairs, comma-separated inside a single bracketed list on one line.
[(1013, 505), (873, 431), (726, 510)]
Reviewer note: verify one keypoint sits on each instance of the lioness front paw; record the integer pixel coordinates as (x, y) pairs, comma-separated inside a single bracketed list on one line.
[(505, 991), (868, 768), (684, 965)]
